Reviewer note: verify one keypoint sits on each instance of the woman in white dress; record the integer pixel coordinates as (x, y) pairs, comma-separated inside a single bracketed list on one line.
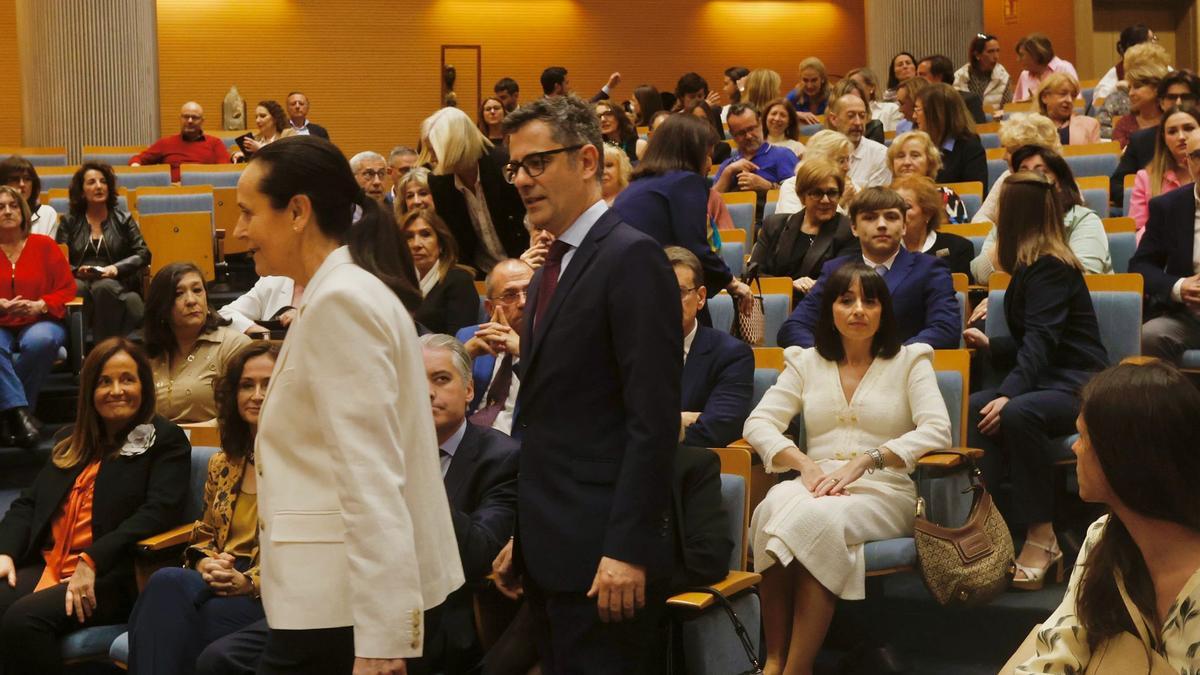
[(871, 408)]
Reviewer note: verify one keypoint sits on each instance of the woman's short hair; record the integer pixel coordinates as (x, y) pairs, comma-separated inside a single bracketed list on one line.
[(482, 125), (762, 86), (621, 159), (946, 115), (625, 129), (933, 156), (680, 143), (1146, 63), (792, 132), (828, 341), (26, 214), (277, 115), (816, 170), (447, 247), (450, 141), (1143, 430), (869, 79), (87, 440), (913, 86), (1069, 195), (893, 80), (649, 102), (16, 166), (977, 46), (927, 196), (826, 143), (1038, 46), (1030, 223), (158, 331), (77, 201), (1029, 129), (237, 438), (1054, 82), (417, 174)]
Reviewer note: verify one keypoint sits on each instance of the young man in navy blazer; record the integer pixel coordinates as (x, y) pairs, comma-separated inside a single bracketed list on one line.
[(1166, 259), (923, 297), (598, 409), (718, 369)]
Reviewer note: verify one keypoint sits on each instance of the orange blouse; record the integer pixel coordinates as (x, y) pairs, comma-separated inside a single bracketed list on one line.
[(71, 531)]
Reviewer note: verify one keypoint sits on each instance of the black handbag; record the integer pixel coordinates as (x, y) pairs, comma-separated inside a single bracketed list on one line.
[(738, 628)]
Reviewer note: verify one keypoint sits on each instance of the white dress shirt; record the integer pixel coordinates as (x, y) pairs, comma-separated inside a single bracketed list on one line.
[(578, 231), (1177, 289), (869, 164), (504, 419), (886, 264), (689, 338), (447, 449)]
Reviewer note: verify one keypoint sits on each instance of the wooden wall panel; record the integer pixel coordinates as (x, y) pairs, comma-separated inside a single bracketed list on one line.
[(1054, 18), (371, 71), (10, 103), (894, 27)]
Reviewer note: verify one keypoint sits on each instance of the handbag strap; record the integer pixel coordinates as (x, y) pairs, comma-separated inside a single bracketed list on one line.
[(1139, 620), (738, 627)]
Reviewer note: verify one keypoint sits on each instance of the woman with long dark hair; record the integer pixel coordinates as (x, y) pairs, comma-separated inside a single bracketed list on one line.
[(941, 113), (1136, 572), (346, 434), (617, 130), (983, 74), (450, 300), (903, 67), (645, 102)]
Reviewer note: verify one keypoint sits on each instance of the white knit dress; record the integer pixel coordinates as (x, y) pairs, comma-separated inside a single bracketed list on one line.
[(897, 406)]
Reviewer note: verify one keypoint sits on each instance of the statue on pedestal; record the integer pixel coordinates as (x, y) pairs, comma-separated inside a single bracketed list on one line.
[(233, 110)]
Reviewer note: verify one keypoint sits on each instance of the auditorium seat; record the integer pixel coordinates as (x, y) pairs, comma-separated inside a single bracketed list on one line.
[(56, 177), (37, 156), (777, 305), (174, 199), (971, 193), (976, 232), (1122, 242), (116, 155), (720, 310), (741, 210), (991, 140), (1095, 193), (734, 255), (59, 200), (768, 363), (995, 167), (174, 237), (140, 176)]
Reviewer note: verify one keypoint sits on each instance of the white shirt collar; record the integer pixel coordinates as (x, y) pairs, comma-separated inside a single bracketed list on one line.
[(887, 264), (451, 444), (928, 244), (578, 231), (687, 339)]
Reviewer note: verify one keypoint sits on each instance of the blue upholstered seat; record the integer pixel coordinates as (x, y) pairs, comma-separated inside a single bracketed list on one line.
[(214, 178), (742, 216), (764, 379), (734, 255), (1118, 313), (1096, 199), (63, 207), (41, 160), (720, 309), (995, 168), (972, 203), (769, 209), (1121, 246), (990, 140), (133, 180), (181, 203), (1093, 165), (775, 310), (55, 181), (112, 158)]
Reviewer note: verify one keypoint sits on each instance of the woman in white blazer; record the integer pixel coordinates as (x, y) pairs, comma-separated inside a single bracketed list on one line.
[(263, 302), (355, 532), (871, 408)]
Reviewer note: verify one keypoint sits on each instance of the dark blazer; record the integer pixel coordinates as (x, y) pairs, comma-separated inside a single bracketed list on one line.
[(974, 105), (874, 129), (1165, 254), (774, 249), (1055, 342), (966, 162), (123, 244), (318, 130), (721, 152), (718, 381), (958, 252), (503, 202), (598, 411), (673, 210), (1136, 156), (135, 497), (923, 302), (452, 304), (700, 526)]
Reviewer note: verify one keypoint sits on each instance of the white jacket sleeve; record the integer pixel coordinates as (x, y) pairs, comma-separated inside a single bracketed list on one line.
[(765, 426), (931, 422)]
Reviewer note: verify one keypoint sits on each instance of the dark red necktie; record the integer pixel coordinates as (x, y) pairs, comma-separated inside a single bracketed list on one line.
[(497, 394), (550, 275)]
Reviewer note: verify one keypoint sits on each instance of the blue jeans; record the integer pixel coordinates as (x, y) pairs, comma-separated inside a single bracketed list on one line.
[(27, 354), (176, 616)]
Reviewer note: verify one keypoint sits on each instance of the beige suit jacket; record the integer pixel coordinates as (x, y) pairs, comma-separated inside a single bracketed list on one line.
[(355, 529)]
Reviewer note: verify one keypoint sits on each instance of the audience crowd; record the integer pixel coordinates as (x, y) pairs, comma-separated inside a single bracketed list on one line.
[(518, 265)]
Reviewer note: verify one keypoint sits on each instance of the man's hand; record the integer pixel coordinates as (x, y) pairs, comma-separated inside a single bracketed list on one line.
[(613, 81), (753, 181), (743, 164), (379, 666), (508, 582), (1189, 291), (108, 272), (255, 330), (498, 338), (287, 317), (976, 339), (8, 570), (989, 424), (619, 589)]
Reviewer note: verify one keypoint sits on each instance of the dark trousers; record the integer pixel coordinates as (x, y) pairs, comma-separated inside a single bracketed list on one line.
[(319, 651), (1023, 450), (572, 640), (108, 308), (32, 623), (176, 616)]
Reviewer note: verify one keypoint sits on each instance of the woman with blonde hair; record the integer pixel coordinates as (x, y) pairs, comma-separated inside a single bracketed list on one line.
[(617, 172), (1056, 99), (811, 95), (1017, 132), (762, 87), (833, 147), (490, 225), (914, 154), (1054, 348), (1134, 105), (412, 192)]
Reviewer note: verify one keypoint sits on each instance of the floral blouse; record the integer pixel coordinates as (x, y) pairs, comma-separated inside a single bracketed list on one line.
[(1062, 646)]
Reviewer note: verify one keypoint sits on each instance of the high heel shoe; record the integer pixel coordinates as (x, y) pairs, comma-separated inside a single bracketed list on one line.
[(24, 428), (1035, 577)]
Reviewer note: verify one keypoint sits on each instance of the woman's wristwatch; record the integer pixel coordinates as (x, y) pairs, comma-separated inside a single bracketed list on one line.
[(877, 457)]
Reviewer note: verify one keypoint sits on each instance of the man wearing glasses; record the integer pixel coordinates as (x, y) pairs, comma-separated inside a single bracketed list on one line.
[(757, 165), (598, 408), (1171, 270), (370, 170), (495, 346), (189, 146), (1181, 87)]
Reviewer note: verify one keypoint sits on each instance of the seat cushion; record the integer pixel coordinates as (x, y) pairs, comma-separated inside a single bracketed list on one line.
[(710, 646), (889, 553), (90, 643), (1191, 359), (119, 651)]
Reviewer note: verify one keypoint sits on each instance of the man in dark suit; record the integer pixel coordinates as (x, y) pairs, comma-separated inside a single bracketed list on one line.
[(923, 299), (718, 369), (1166, 260), (479, 470), (1181, 86), (297, 105), (555, 82), (939, 68), (495, 345), (598, 413)]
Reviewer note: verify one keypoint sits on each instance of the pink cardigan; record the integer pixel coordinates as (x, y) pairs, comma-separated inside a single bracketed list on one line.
[(1139, 200), (1084, 130)]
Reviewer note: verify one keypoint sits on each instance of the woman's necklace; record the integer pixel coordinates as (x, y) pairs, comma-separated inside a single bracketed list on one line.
[(13, 251)]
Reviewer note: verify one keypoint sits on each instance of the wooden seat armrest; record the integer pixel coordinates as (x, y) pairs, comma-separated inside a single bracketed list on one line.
[(220, 233), (735, 582), (948, 458), (168, 539), (75, 302)]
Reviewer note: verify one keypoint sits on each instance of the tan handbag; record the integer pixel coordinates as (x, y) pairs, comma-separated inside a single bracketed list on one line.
[(751, 328), (968, 565)]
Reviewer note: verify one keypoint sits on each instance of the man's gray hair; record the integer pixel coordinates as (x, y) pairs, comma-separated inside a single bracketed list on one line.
[(400, 151), (357, 160), (458, 353), (572, 121)]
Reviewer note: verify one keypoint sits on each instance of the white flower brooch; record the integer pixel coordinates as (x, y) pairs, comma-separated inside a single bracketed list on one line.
[(138, 441)]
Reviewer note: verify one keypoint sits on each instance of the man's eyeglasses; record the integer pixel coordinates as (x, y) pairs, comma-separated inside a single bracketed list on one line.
[(818, 195), (534, 163), (1179, 98), (741, 133), (511, 296), (372, 174), (683, 292)]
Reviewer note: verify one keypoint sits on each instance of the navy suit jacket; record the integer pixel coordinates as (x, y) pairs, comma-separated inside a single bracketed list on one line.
[(673, 210), (317, 130), (598, 412), (1138, 153), (718, 381), (923, 302), (1165, 254)]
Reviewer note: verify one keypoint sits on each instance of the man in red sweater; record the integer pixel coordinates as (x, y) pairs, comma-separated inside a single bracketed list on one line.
[(189, 146)]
